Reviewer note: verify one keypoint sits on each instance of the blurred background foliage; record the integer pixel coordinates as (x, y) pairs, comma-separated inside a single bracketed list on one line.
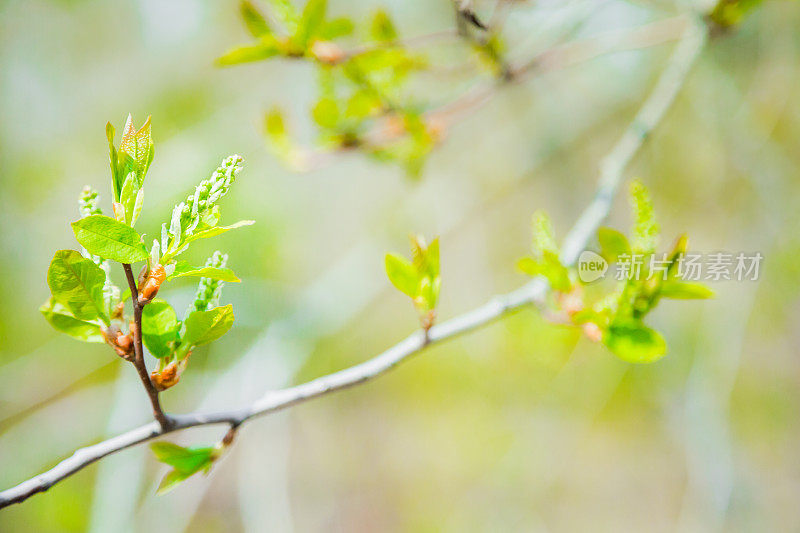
[(520, 426)]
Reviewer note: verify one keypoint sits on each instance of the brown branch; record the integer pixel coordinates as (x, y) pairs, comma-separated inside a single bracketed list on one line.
[(138, 362)]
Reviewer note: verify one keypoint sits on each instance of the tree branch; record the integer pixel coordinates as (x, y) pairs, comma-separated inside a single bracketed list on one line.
[(138, 361), (611, 173)]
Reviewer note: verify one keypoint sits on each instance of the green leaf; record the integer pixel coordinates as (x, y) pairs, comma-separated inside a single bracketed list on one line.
[(128, 197), (182, 268), (310, 22), (61, 319), (612, 244), (326, 113), (203, 327), (254, 21), (139, 146), (728, 13), (185, 462), (645, 228), (634, 342), (684, 290), (333, 29), (77, 284), (286, 13), (110, 239), (266, 48), (402, 274), (159, 328), (276, 126), (381, 27), (550, 268), (113, 157), (217, 230)]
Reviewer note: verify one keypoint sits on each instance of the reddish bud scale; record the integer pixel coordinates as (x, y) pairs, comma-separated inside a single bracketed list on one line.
[(152, 282)]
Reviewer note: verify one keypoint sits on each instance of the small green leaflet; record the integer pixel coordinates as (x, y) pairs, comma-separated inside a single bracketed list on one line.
[(266, 48), (286, 14), (203, 327), (159, 328), (184, 461), (381, 27), (77, 284), (310, 22), (402, 274), (182, 268), (684, 290), (612, 244), (254, 21), (634, 342), (61, 319), (419, 278), (109, 238), (217, 230)]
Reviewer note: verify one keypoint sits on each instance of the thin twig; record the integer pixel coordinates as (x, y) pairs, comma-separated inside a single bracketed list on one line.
[(138, 361), (611, 173)]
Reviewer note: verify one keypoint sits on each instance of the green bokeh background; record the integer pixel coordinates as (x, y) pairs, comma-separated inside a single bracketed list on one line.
[(521, 426)]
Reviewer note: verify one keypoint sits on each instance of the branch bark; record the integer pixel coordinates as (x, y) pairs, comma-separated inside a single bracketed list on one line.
[(611, 173), (138, 362)]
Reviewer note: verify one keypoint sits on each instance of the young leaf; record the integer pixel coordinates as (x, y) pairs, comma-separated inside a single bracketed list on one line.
[(182, 268), (684, 290), (159, 328), (286, 13), (310, 22), (326, 113), (218, 230), (333, 29), (381, 28), (254, 21), (634, 342), (77, 284), (109, 239), (203, 327), (61, 319), (612, 244), (402, 274), (184, 461), (128, 198), (266, 48)]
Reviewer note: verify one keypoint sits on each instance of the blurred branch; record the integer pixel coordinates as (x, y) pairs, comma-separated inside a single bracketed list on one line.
[(611, 173)]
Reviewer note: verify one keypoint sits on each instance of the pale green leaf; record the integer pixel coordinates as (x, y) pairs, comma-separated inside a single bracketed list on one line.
[(203, 327), (109, 239), (402, 274), (684, 290), (310, 22), (253, 19), (634, 342), (333, 29), (159, 328), (266, 48), (62, 320), (77, 284), (217, 230), (182, 268), (381, 28), (612, 244)]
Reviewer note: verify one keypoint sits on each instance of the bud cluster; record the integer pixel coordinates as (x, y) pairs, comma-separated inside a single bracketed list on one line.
[(187, 215), (88, 201), (209, 290)]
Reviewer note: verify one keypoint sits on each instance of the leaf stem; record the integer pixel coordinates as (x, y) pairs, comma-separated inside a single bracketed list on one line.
[(138, 362)]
